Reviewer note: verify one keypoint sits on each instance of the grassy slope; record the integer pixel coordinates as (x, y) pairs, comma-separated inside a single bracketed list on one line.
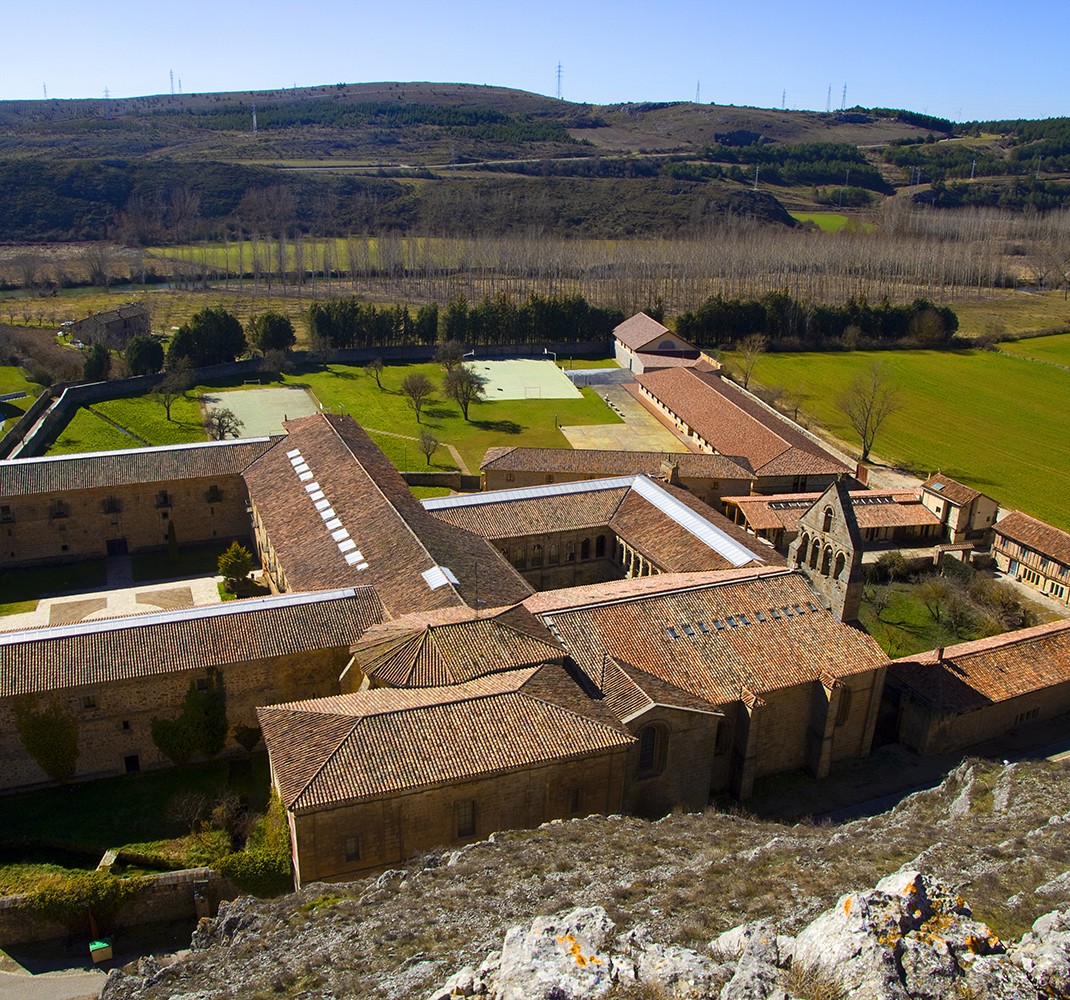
[(996, 422), (1055, 349), (13, 379)]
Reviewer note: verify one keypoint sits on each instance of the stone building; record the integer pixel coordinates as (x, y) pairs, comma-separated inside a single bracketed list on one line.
[(1034, 553), (709, 477), (797, 688), (67, 507), (114, 328), (887, 519), (720, 418), (114, 676), (642, 344), (569, 534), (966, 514), (828, 551), (955, 697)]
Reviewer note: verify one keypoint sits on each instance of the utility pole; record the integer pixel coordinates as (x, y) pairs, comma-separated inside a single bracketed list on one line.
[(843, 100), (45, 86), (254, 119), (783, 98), (828, 100), (698, 91), (559, 81), (172, 83)]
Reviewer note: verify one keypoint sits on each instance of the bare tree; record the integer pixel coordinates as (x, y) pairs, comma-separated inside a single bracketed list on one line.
[(417, 388), (174, 385), (464, 386), (751, 348), (868, 402), (375, 366), (222, 423), (429, 444), (449, 354)]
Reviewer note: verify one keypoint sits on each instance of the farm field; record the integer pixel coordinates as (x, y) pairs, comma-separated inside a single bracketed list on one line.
[(1055, 349), (996, 422)]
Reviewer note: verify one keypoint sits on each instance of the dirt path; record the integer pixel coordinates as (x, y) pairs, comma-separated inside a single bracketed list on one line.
[(407, 437)]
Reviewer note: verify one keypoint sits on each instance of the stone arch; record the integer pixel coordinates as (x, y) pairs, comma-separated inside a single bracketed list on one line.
[(804, 545), (815, 554), (826, 560), (826, 521), (841, 562), (585, 549), (600, 546)]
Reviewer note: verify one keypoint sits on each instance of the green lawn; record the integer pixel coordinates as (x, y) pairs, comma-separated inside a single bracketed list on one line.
[(531, 422), (89, 432), (828, 222), (1055, 349), (197, 560), (148, 419), (995, 422), (13, 379)]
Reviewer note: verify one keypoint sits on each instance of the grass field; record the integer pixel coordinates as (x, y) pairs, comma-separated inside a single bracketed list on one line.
[(13, 379), (997, 422), (1054, 349), (1012, 312)]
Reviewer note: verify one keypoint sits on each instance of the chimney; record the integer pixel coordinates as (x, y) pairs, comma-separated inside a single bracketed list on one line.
[(940, 654), (670, 472)]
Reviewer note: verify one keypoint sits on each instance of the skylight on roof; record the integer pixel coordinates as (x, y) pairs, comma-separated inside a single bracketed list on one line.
[(937, 487)]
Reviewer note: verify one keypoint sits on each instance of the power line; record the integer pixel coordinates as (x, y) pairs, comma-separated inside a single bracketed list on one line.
[(172, 83), (698, 92), (559, 81), (843, 100)]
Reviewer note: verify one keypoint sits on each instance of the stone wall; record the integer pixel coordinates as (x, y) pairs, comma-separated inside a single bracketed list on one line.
[(392, 828)]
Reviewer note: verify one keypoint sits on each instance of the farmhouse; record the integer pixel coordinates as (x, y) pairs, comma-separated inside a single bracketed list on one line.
[(642, 344), (707, 476), (114, 328), (721, 418), (954, 697), (966, 513), (1034, 553), (85, 506)]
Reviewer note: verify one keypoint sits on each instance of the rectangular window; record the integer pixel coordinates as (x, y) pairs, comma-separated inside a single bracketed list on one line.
[(163, 499), (509, 477), (89, 701), (575, 801), (5, 513), (214, 495), (466, 818), (723, 742), (58, 509), (113, 505), (351, 848), (843, 711)]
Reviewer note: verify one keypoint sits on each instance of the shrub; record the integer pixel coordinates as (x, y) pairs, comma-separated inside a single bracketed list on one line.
[(201, 727), (234, 564), (71, 900), (263, 868), (49, 734)]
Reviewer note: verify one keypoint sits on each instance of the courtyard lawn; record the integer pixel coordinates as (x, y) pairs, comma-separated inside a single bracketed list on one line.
[(994, 421), (13, 379), (88, 431), (531, 422)]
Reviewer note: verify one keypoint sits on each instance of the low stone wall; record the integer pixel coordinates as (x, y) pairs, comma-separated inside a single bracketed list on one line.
[(167, 897)]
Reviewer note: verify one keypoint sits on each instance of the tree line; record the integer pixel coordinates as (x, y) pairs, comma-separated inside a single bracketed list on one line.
[(790, 324)]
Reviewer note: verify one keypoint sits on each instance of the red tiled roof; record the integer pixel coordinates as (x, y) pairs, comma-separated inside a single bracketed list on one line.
[(454, 646), (148, 645), (1035, 535), (762, 512), (654, 362), (397, 540), (951, 489), (737, 426), (354, 747), (973, 675), (639, 331), (587, 461), (729, 648), (126, 467)]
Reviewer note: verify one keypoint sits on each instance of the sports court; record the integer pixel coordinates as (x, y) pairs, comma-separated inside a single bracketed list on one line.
[(524, 378), (262, 411)]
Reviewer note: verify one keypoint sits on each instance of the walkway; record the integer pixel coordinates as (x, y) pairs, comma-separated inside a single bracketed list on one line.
[(641, 430)]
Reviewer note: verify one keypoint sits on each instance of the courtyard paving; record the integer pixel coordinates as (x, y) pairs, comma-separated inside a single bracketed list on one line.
[(641, 430)]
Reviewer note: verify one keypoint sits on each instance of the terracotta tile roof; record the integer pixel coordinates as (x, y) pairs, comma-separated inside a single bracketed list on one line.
[(657, 536), (951, 489), (639, 331), (973, 675), (588, 461), (1036, 535), (873, 509), (760, 634), (453, 647), (737, 426), (629, 692), (645, 508), (25, 476), (535, 513), (96, 652), (360, 746), (655, 362), (367, 528)]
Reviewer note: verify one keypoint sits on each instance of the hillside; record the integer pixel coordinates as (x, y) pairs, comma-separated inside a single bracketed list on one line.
[(994, 833)]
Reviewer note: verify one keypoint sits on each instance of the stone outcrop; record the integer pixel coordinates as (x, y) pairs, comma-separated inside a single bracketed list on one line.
[(908, 937)]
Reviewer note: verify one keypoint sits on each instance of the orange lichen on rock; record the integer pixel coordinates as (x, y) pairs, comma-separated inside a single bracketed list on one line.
[(847, 906), (576, 952)]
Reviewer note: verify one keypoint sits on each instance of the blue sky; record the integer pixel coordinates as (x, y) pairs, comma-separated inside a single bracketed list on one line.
[(962, 60)]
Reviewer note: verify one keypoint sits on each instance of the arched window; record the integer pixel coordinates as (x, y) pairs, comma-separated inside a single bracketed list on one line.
[(841, 561), (815, 554), (800, 556), (555, 554), (826, 523), (653, 749), (570, 551), (536, 554), (600, 546), (826, 562), (585, 549), (520, 557)]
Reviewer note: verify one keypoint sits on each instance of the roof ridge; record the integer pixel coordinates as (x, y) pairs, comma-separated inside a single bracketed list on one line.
[(988, 642), (346, 736)]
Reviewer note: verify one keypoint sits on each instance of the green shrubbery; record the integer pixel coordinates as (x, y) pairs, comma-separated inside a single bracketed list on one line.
[(71, 899), (50, 735), (263, 868), (201, 727)]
